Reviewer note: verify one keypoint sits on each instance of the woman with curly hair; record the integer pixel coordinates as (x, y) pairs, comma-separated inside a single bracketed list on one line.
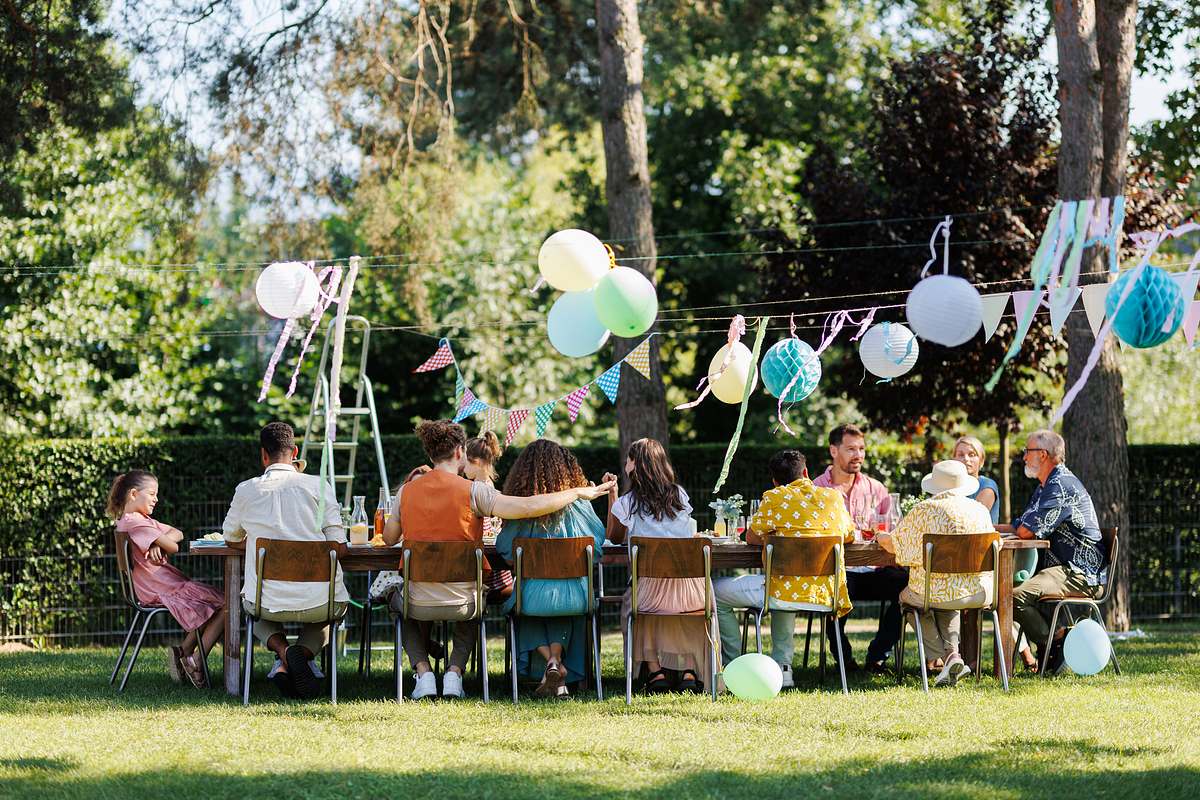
[(441, 506), (551, 632), (674, 650)]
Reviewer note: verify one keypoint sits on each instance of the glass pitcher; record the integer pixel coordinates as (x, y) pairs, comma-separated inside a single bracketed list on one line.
[(359, 526)]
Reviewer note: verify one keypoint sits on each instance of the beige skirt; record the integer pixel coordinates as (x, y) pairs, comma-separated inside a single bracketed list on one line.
[(678, 643)]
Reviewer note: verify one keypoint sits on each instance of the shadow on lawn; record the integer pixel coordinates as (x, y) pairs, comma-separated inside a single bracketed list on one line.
[(983, 773)]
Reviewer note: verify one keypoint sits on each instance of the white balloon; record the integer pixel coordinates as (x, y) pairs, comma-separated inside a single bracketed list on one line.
[(945, 309), (573, 327), (731, 386), (287, 290), (888, 350), (572, 260)]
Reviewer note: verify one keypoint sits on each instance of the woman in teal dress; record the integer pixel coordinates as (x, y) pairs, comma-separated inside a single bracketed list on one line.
[(552, 629)]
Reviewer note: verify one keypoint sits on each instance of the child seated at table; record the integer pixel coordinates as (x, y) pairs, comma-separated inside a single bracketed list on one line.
[(197, 607)]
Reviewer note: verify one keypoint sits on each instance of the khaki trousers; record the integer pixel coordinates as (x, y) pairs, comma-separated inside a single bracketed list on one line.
[(941, 628), (1028, 613)]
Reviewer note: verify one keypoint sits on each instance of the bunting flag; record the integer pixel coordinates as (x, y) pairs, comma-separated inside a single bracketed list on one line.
[(459, 387), (441, 358), (1187, 283), (1094, 296), (1061, 303), (469, 407), (541, 416), (1190, 320), (639, 358), (1025, 305), (491, 420), (575, 400), (610, 381), (993, 310), (516, 418)]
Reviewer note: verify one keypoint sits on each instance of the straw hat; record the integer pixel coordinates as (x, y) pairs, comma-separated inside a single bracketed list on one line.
[(950, 476)]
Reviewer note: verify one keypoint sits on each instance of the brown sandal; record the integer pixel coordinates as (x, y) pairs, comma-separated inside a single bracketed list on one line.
[(195, 672)]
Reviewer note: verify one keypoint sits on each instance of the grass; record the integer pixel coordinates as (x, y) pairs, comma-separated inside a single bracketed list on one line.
[(65, 733)]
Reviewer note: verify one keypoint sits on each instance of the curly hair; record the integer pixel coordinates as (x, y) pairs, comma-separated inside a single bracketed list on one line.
[(441, 438), (485, 448), (543, 467), (652, 481)]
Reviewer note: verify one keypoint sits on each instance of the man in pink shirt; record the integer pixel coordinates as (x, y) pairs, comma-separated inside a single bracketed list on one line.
[(864, 497)]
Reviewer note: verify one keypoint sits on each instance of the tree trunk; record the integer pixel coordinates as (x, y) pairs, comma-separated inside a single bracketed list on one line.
[(1005, 500), (641, 405), (1094, 115)]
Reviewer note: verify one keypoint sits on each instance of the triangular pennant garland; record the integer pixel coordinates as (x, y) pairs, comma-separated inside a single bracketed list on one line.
[(516, 419), (639, 358), (1022, 300), (610, 381), (1187, 283), (542, 414), (469, 407), (459, 387), (1061, 302), (1094, 295), (1190, 320), (441, 358), (993, 309), (575, 400), (491, 420)]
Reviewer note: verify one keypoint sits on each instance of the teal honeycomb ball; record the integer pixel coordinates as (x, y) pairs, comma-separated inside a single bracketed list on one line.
[(782, 362), (1154, 302)]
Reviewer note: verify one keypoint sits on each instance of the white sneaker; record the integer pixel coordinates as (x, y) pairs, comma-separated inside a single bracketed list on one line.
[(426, 686), (788, 683), (954, 670), (452, 685)]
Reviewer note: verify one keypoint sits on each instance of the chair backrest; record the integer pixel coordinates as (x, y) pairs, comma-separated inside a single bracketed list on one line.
[(958, 553), (442, 562), (124, 570), (801, 555), (1112, 546), (670, 558), (553, 559), (294, 561)]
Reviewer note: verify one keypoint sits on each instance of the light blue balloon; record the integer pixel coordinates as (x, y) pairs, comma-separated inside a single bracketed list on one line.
[(753, 677), (1024, 565), (1153, 300), (573, 326), (1086, 649), (782, 362)]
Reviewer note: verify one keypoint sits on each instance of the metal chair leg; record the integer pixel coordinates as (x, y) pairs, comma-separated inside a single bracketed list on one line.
[(398, 663), (745, 628), (712, 657), (596, 656), (758, 640), (978, 638), (807, 637), (900, 647), (203, 654), (837, 633), (1111, 649), (121, 657), (1050, 640), (921, 650), (510, 660), (629, 661), (367, 635), (483, 662), (137, 648), (247, 660), (824, 622), (999, 648), (332, 650)]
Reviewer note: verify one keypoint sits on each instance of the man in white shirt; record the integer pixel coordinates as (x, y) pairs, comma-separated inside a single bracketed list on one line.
[(282, 503)]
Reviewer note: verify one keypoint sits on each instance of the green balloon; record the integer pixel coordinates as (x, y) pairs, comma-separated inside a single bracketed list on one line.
[(753, 677), (626, 302)]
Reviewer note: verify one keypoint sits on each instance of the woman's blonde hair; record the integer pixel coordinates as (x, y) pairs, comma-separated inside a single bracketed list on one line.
[(975, 444), (485, 449)]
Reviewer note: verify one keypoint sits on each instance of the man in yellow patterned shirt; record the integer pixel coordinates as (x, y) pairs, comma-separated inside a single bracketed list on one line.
[(948, 511), (793, 508)]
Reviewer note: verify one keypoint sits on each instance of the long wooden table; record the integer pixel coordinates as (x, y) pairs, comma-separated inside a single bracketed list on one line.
[(729, 556)]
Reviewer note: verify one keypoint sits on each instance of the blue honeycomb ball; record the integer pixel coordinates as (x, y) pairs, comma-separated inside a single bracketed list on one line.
[(1154, 299), (782, 362)]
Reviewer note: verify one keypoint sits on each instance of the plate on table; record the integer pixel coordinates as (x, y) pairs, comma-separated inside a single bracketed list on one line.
[(719, 540), (208, 543)]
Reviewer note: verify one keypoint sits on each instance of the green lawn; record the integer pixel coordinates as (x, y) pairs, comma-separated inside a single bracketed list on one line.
[(65, 733)]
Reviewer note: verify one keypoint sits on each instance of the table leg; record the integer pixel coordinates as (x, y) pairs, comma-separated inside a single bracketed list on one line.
[(233, 625), (969, 638), (1004, 604)]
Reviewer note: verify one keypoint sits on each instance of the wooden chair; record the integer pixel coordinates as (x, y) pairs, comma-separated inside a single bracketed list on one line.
[(653, 557), (442, 562), (555, 559), (1065, 601), (292, 561), (950, 554), (129, 595), (818, 556)]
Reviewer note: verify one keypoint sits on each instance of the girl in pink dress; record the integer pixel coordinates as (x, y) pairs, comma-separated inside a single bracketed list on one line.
[(195, 606)]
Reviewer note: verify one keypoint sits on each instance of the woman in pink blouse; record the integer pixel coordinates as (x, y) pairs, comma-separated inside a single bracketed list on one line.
[(195, 606)]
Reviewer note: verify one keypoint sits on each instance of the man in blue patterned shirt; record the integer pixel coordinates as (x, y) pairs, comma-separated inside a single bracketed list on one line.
[(1061, 512)]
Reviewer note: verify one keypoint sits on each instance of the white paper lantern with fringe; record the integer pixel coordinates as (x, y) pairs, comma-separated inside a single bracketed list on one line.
[(287, 290), (888, 350)]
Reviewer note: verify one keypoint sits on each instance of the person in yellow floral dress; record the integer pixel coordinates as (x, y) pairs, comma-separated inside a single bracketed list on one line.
[(949, 511), (794, 507)]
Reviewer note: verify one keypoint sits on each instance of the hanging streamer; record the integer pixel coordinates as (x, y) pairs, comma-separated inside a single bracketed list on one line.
[(327, 296), (833, 326), (737, 329), (284, 336), (334, 404), (737, 432)]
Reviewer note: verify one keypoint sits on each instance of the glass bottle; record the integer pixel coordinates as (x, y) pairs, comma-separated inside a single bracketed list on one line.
[(381, 515), (359, 526)]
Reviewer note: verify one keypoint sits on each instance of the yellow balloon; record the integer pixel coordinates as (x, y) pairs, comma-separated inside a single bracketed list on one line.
[(730, 387)]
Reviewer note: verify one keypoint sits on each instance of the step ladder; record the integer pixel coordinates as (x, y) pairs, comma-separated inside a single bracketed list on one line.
[(342, 476)]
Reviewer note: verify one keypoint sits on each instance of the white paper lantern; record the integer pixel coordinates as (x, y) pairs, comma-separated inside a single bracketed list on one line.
[(287, 290), (731, 386), (944, 309), (888, 350), (572, 260)]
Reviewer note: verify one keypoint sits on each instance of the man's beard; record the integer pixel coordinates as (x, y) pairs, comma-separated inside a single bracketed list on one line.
[(1030, 472)]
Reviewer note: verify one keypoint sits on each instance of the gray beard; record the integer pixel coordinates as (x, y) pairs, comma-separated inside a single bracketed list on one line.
[(1030, 472)]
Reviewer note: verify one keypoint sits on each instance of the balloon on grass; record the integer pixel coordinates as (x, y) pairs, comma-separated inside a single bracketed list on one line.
[(753, 676), (1086, 649), (573, 327), (572, 260), (626, 302)]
